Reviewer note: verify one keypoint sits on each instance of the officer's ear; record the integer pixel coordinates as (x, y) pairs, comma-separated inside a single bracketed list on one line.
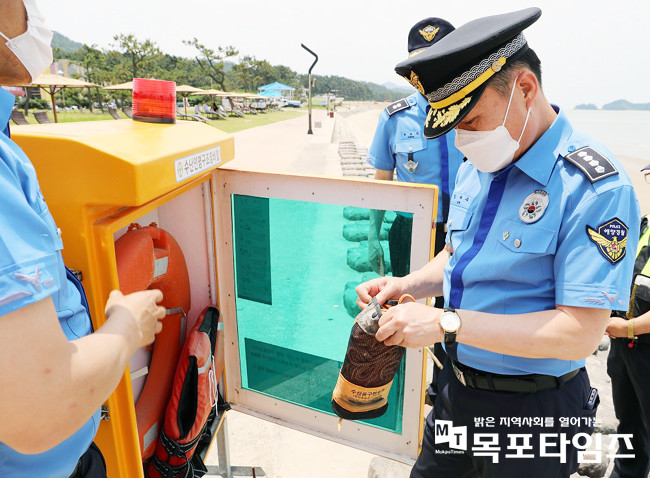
[(529, 86)]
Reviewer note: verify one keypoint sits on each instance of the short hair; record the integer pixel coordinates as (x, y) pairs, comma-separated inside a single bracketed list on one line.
[(502, 81)]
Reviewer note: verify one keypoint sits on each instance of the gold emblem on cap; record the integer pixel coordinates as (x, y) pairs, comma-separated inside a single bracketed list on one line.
[(444, 116), (429, 32), (415, 81), (496, 66)]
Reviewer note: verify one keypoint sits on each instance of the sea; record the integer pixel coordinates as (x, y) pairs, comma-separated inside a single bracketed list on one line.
[(627, 135)]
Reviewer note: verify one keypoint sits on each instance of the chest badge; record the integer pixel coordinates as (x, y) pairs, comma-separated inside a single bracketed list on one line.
[(611, 239), (410, 164), (534, 206)]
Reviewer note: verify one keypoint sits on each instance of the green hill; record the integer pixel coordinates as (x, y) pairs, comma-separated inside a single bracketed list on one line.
[(115, 66), (64, 44)]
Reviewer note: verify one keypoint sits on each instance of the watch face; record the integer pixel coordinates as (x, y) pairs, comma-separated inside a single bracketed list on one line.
[(450, 322)]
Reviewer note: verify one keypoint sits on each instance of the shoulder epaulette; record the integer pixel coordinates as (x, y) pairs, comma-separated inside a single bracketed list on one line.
[(593, 164), (399, 105)]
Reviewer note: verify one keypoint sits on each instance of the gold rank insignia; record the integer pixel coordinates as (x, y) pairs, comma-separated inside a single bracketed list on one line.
[(611, 239), (429, 32), (415, 81), (443, 116)]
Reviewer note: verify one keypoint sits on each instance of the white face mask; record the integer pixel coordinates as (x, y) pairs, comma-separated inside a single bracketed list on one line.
[(32, 48), (490, 151)]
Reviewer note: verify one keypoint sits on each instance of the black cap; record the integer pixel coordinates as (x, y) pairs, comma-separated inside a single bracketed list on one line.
[(453, 72), (427, 32), (647, 168)]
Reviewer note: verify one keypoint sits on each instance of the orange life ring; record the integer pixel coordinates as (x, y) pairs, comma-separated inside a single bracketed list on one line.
[(150, 258)]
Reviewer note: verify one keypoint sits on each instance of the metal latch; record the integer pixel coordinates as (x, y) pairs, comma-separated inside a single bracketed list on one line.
[(105, 415), (77, 274)]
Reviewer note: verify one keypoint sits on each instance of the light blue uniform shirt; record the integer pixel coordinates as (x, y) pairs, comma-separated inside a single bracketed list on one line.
[(400, 133), (31, 269), (502, 264)]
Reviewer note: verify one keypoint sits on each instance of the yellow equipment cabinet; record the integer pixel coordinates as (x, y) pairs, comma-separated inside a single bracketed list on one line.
[(288, 262), (97, 178)]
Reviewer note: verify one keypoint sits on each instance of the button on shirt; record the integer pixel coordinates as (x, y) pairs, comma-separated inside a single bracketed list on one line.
[(31, 269), (503, 264), (399, 134)]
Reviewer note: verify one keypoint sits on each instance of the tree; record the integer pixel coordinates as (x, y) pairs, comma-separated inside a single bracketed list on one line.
[(211, 62), (143, 56), (93, 60), (184, 71)]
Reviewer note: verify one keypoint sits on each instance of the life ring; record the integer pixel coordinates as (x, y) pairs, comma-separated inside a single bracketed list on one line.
[(150, 258)]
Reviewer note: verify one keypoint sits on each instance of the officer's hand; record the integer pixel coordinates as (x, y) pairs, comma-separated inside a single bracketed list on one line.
[(376, 256), (384, 288), (410, 325), (139, 311), (616, 327)]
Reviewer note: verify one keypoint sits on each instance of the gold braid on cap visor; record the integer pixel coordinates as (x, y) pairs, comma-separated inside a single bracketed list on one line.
[(459, 95), (442, 118), (464, 84)]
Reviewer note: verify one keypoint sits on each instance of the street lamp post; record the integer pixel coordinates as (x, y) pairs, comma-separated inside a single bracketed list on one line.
[(309, 131)]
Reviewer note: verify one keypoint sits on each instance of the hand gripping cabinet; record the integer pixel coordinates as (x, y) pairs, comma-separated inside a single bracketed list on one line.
[(101, 178)]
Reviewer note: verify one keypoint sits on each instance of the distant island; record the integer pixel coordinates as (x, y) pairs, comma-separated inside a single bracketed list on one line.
[(616, 105)]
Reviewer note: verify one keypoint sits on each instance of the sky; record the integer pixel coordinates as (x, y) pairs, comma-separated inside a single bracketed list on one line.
[(592, 51)]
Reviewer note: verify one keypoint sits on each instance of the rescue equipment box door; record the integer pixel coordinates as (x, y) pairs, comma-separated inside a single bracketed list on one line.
[(290, 253)]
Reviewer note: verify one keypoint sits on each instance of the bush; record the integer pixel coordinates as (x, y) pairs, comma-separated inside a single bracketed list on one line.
[(34, 103)]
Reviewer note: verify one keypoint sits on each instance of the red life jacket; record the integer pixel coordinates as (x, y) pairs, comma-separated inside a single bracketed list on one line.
[(193, 398)]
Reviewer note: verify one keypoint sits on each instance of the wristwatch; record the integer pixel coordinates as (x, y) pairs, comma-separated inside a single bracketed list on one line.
[(450, 324)]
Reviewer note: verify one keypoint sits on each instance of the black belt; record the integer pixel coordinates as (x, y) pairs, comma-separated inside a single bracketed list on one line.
[(508, 383)]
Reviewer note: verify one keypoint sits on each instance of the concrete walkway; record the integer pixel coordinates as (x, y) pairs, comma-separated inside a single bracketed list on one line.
[(286, 147)]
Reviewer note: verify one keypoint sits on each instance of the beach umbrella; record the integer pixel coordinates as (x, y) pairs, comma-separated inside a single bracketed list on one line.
[(128, 86), (212, 92), (185, 90), (122, 86), (227, 94), (271, 94), (55, 83)]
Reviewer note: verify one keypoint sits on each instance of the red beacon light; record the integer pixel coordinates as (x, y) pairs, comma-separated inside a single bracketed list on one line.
[(154, 101)]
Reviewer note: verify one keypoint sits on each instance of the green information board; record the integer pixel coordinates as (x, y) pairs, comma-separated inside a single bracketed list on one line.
[(251, 226)]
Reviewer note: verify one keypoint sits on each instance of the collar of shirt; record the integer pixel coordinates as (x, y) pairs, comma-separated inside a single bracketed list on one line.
[(538, 162), (423, 104), (6, 105)]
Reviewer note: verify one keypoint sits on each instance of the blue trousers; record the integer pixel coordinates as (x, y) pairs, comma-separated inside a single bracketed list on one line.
[(464, 406)]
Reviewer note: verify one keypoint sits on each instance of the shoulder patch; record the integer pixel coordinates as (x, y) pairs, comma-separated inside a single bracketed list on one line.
[(399, 105), (611, 239), (592, 163)]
